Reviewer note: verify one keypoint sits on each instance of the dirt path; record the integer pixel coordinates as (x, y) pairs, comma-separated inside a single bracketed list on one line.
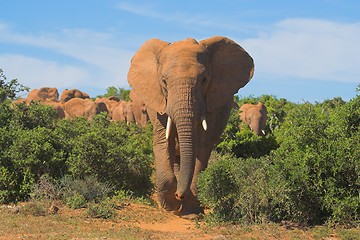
[(141, 221)]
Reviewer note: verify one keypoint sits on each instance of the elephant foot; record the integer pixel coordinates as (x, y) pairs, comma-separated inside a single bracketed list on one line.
[(191, 208), (191, 212), (192, 216), (167, 201)]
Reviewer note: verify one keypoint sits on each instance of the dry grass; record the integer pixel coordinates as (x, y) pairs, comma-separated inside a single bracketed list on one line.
[(138, 221)]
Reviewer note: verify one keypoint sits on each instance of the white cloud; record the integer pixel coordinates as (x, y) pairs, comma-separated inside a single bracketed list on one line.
[(38, 73), (97, 60), (310, 49), (194, 20)]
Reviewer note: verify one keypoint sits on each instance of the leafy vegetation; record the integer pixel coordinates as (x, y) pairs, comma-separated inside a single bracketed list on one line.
[(306, 169), (121, 93), (313, 169), (8, 90)]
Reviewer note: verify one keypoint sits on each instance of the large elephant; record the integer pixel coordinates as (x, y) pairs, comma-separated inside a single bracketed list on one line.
[(188, 89), (66, 95), (255, 116), (87, 108), (43, 94)]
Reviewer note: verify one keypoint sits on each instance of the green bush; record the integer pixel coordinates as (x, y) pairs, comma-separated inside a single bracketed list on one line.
[(89, 187), (104, 209), (34, 143), (33, 116), (319, 157), (32, 154), (314, 172), (118, 154), (76, 201), (243, 190), (33, 208)]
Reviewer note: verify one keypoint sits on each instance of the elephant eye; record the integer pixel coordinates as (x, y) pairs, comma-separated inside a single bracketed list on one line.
[(163, 81), (164, 87)]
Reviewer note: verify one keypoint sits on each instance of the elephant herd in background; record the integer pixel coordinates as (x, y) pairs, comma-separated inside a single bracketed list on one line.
[(75, 103)]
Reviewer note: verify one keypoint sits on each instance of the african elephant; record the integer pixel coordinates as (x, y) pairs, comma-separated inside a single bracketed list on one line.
[(188, 88), (139, 109), (43, 94), (110, 102), (66, 95), (254, 116), (87, 108), (124, 112), (58, 107)]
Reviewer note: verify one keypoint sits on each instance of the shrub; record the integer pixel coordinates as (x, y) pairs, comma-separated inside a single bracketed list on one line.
[(118, 154), (319, 157), (32, 154), (33, 116), (104, 209), (76, 201), (89, 187), (33, 144), (33, 208), (243, 190), (46, 189)]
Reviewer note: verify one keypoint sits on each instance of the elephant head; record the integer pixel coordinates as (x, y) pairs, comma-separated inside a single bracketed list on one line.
[(139, 109), (254, 116), (188, 82), (124, 112), (110, 103), (43, 94)]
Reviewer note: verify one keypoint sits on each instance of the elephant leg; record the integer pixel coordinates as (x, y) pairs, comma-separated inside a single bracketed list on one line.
[(164, 153)]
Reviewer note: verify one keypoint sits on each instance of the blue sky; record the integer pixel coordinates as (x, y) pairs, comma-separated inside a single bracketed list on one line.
[(306, 50)]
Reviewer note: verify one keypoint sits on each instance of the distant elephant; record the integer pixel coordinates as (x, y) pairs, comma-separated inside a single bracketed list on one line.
[(66, 95), (87, 108), (188, 88), (19, 101), (139, 109), (110, 102), (43, 94), (124, 112), (254, 116), (58, 107), (118, 113)]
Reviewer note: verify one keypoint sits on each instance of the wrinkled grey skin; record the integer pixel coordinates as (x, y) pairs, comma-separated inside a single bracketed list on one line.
[(187, 81)]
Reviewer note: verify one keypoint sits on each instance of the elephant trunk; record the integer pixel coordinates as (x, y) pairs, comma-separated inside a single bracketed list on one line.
[(184, 115)]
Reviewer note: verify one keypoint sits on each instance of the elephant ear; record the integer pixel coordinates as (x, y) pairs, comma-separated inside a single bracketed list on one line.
[(143, 75), (231, 69)]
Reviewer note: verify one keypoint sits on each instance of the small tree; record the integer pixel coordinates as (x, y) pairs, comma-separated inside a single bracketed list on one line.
[(121, 93), (8, 90)]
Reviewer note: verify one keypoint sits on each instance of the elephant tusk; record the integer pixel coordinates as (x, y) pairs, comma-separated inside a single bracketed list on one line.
[(263, 132), (168, 128), (203, 122)]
